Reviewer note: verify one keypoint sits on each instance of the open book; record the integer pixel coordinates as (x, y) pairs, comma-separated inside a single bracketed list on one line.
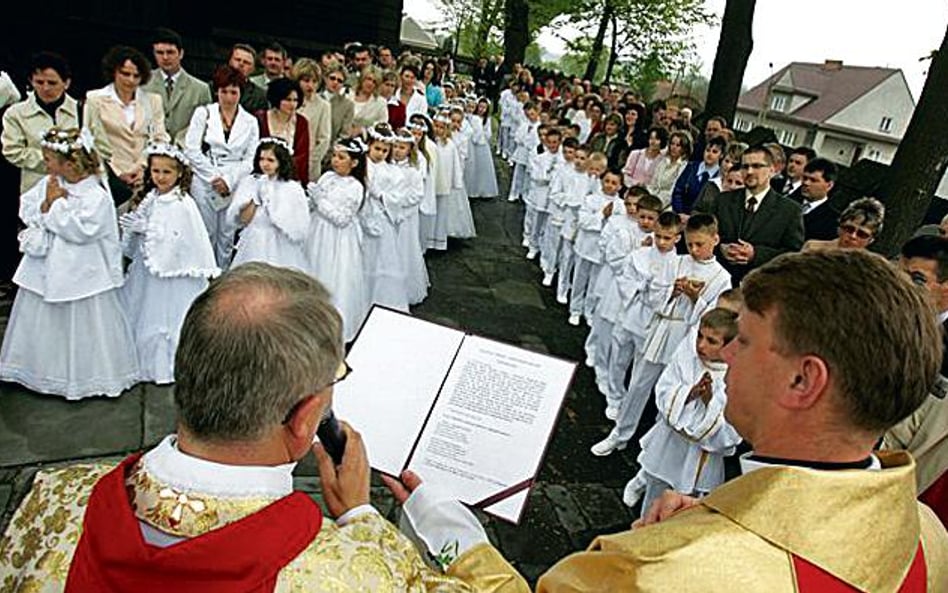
[(469, 414)]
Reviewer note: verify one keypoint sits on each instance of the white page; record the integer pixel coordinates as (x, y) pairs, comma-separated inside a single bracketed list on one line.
[(491, 424), (399, 363)]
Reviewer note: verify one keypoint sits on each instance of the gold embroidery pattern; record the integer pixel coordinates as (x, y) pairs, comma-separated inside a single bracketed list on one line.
[(37, 548)]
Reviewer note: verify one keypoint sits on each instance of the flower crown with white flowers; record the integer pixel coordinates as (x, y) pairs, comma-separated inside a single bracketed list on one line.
[(352, 145), (277, 141), (168, 150), (380, 136), (404, 135), (61, 141)]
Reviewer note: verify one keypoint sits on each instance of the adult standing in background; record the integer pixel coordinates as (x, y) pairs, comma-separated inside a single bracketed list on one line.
[(274, 65), (317, 110), (123, 117), (283, 121), (368, 107), (341, 106), (385, 58), (431, 77), (243, 57), (220, 143), (25, 123), (180, 92)]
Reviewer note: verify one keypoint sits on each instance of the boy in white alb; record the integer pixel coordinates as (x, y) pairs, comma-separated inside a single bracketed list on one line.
[(526, 140), (626, 235), (644, 285), (699, 279), (576, 185), (552, 234), (684, 451), (590, 219), (508, 107), (542, 167)]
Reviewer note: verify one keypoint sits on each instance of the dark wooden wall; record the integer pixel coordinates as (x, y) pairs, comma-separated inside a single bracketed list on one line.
[(82, 30)]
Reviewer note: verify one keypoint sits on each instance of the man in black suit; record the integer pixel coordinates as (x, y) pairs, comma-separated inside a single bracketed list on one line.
[(791, 183), (820, 218), (925, 259), (756, 224)]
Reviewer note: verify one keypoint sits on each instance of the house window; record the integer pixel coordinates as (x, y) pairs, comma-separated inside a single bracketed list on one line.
[(886, 124), (778, 103), (741, 125), (874, 154), (787, 137)]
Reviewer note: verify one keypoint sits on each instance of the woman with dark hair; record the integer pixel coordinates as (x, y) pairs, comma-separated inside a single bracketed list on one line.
[(669, 167), (410, 98), (124, 118), (431, 77), (636, 134), (283, 121), (641, 163), (220, 144)]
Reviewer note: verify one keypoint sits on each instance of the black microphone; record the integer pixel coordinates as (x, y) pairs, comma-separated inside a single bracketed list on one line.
[(332, 437)]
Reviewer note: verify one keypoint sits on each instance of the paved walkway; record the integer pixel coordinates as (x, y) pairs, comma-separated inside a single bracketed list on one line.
[(484, 286)]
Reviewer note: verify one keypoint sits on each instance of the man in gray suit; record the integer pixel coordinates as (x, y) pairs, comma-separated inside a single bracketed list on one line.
[(180, 92), (756, 224)]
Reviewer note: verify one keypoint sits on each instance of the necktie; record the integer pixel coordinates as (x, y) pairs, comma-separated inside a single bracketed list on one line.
[(169, 86), (751, 205), (806, 208)]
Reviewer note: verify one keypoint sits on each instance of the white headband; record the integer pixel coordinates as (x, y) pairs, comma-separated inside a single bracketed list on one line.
[(378, 136), (167, 150), (358, 148), (275, 140), (445, 119), (423, 127), (84, 141), (404, 135)]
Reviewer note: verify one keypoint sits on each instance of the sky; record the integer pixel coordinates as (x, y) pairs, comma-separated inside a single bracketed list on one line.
[(859, 32)]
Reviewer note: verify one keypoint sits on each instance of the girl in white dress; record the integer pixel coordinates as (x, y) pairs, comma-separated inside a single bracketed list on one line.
[(334, 245), (422, 128), (68, 333), (411, 185), (480, 176), (272, 207), (385, 268), (453, 218), (220, 145), (172, 261)]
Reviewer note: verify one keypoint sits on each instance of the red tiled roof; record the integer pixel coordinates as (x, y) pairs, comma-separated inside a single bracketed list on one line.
[(833, 89)]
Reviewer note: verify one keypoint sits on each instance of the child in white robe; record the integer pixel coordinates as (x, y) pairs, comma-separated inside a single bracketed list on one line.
[(272, 207), (172, 261), (526, 139), (68, 333), (334, 245), (552, 235), (590, 220), (386, 277), (645, 286), (685, 449), (422, 128), (576, 186), (509, 105), (542, 166), (409, 166), (625, 235), (454, 218), (483, 177)]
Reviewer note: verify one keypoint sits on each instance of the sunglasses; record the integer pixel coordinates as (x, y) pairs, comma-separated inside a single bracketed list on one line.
[(337, 79), (851, 229)]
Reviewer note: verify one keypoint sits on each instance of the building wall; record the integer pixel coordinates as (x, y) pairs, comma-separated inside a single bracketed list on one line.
[(891, 99), (835, 148)]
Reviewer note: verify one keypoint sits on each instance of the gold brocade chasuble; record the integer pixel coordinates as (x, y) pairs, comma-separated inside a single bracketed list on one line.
[(863, 527)]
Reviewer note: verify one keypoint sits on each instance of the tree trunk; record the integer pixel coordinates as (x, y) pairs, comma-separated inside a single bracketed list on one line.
[(614, 50), (734, 48), (598, 42), (920, 160), (516, 31)]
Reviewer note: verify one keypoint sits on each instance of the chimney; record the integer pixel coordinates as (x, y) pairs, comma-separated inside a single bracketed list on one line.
[(832, 65)]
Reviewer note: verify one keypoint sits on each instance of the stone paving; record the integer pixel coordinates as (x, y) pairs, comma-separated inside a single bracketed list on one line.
[(484, 286)]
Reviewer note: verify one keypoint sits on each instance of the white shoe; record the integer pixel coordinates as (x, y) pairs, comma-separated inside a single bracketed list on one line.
[(547, 280), (632, 493), (607, 446), (525, 242), (512, 198), (612, 413), (562, 299), (573, 320), (532, 253), (590, 362)]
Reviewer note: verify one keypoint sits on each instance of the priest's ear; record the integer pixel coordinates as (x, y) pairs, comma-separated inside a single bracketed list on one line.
[(809, 385), (303, 419)]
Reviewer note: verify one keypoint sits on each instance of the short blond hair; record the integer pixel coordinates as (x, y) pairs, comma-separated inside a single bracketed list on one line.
[(306, 68)]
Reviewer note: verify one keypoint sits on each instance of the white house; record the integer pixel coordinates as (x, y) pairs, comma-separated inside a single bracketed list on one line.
[(844, 113)]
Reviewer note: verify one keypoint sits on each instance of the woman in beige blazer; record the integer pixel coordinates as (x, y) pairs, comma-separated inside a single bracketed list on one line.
[(124, 118)]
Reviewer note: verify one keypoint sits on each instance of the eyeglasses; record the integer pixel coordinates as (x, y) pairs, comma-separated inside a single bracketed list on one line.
[(859, 233), (342, 371), (337, 79)]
